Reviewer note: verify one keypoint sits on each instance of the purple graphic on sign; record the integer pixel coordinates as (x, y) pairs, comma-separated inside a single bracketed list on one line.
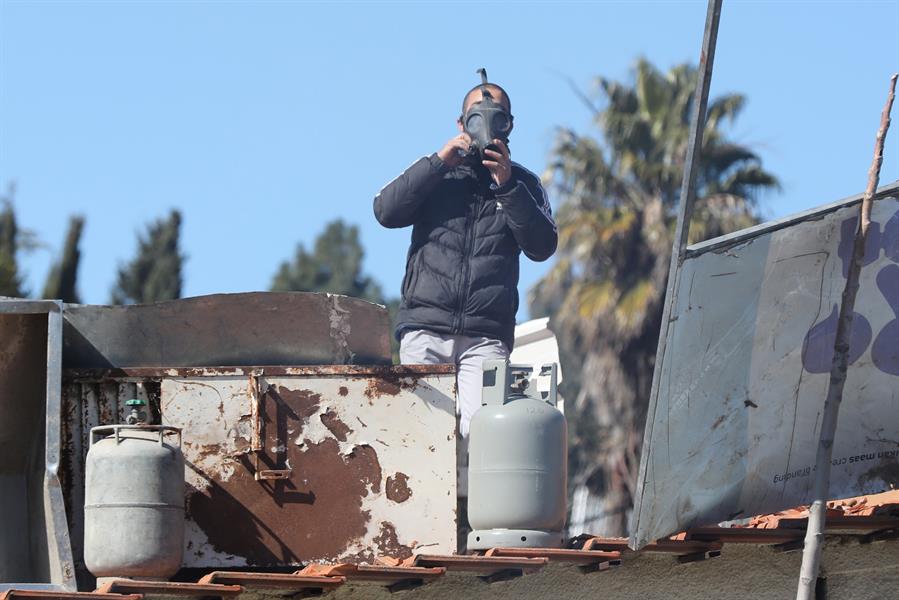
[(847, 241), (817, 348), (891, 238), (885, 351)]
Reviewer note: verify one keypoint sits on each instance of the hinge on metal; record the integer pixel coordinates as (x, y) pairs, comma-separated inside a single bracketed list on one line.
[(256, 443), (256, 413)]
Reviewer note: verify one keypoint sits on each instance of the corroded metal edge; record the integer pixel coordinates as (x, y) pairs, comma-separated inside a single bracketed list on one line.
[(730, 240), (274, 370), (229, 329)]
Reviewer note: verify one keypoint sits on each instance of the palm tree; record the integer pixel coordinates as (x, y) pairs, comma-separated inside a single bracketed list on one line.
[(604, 294)]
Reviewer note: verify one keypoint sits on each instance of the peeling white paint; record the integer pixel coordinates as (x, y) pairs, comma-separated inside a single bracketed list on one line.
[(215, 423), (409, 425), (339, 320), (415, 436), (198, 550)]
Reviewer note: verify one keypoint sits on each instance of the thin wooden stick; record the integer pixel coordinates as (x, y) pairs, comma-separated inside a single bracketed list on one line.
[(814, 535)]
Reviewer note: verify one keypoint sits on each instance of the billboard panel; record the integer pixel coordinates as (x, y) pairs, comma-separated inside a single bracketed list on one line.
[(734, 427)]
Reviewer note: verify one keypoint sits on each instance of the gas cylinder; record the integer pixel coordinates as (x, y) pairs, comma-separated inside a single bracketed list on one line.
[(518, 461), (134, 501)]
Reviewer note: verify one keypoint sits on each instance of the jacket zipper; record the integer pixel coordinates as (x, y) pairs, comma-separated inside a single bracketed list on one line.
[(466, 260)]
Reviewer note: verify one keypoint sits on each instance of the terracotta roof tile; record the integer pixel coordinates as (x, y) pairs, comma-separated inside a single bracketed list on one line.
[(488, 568), (279, 581), (168, 588), (876, 516), (479, 564), (560, 554), (886, 504), (324, 570), (59, 595), (675, 545), (394, 578)]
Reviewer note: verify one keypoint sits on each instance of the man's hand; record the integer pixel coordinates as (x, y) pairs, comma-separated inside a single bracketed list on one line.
[(499, 165), (454, 150)]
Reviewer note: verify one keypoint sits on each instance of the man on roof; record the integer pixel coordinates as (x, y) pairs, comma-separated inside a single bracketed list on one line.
[(473, 211)]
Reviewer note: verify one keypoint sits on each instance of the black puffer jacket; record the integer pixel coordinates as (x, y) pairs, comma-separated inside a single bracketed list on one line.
[(462, 266)]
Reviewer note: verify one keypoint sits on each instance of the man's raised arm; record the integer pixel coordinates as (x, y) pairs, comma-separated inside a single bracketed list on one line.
[(397, 203)]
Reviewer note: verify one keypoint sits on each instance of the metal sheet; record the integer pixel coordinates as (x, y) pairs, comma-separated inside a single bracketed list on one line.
[(375, 473), (34, 542), (370, 464), (371, 453), (292, 328), (733, 429)]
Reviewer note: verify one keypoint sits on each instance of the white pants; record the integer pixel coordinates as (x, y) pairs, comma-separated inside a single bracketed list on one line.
[(419, 347)]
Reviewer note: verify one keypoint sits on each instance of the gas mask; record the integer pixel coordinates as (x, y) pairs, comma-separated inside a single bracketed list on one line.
[(485, 121)]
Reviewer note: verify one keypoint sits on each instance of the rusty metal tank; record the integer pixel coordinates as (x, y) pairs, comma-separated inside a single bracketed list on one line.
[(518, 466), (134, 502)]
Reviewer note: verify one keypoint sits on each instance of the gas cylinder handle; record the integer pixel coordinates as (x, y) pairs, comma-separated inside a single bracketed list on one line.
[(167, 429), (552, 369), (115, 429), (495, 382)]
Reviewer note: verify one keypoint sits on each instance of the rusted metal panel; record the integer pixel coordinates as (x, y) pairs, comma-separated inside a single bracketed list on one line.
[(362, 422), (87, 404), (734, 427), (368, 463), (136, 374), (290, 328)]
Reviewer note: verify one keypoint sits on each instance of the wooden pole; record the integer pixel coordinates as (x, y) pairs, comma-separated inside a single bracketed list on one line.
[(814, 535)]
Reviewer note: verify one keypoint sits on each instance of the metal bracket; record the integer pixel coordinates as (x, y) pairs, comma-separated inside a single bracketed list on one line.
[(256, 442), (273, 474), (255, 413)]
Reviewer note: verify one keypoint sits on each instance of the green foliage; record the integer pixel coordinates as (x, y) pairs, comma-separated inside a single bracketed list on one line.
[(154, 274), (10, 242), (335, 267), (619, 194), (10, 280), (61, 281)]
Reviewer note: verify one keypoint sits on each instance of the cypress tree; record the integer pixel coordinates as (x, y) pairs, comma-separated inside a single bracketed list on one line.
[(334, 266), (10, 279), (154, 274), (61, 281)]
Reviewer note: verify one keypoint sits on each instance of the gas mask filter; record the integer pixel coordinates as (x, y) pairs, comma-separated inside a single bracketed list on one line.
[(485, 121)]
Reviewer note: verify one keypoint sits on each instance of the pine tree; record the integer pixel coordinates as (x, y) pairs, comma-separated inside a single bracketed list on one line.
[(154, 274), (61, 281), (334, 266), (10, 279)]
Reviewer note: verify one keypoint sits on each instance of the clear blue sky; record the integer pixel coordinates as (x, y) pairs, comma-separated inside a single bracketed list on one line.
[(263, 121)]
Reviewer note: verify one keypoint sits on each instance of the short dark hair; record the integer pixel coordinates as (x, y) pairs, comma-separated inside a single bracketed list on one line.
[(504, 96)]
